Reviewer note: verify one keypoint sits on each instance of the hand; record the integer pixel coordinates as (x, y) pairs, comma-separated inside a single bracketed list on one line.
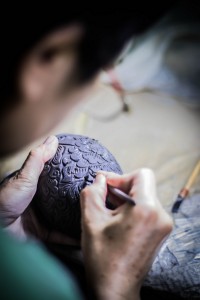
[(17, 191), (119, 245)]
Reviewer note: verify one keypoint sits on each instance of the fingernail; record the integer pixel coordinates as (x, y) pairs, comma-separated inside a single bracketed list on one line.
[(100, 178), (50, 140), (103, 173)]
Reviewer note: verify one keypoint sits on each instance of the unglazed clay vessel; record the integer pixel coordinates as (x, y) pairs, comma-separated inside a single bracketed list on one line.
[(73, 167)]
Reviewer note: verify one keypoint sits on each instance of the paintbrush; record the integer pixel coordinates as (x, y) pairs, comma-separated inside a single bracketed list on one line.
[(120, 194), (185, 190)]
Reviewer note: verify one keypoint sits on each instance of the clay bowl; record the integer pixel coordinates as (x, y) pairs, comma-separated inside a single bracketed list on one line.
[(73, 167)]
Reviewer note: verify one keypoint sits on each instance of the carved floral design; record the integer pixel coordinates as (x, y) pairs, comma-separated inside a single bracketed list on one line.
[(73, 167)]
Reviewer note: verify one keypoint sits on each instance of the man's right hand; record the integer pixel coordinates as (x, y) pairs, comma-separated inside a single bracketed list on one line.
[(119, 245)]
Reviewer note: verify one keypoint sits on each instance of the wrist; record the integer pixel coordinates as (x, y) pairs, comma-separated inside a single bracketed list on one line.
[(109, 293), (111, 288)]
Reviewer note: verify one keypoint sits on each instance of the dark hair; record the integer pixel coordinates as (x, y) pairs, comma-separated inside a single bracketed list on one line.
[(106, 33)]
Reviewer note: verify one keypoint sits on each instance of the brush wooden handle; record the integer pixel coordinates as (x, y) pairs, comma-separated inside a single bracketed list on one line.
[(185, 190), (193, 176)]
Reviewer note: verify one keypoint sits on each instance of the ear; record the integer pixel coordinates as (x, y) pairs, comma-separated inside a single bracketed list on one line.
[(51, 63)]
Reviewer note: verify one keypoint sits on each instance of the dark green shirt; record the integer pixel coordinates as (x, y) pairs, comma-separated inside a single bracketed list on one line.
[(28, 272)]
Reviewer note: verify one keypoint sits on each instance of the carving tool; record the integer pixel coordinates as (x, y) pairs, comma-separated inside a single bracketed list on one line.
[(121, 195)]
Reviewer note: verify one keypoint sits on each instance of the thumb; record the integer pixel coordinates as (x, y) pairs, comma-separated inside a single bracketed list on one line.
[(36, 159), (16, 192)]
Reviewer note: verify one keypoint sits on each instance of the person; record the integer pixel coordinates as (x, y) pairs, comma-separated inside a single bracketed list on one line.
[(48, 62)]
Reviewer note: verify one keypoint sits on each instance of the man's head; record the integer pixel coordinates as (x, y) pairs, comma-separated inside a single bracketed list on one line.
[(47, 58)]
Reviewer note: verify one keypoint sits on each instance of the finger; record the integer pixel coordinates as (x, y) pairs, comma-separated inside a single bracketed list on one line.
[(20, 189), (123, 182), (36, 159), (95, 194), (139, 185), (17, 192), (144, 188), (92, 199)]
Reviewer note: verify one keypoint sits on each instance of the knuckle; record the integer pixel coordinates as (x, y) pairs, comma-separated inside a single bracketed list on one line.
[(89, 190), (35, 152), (24, 176), (87, 199), (23, 181), (151, 217), (18, 176), (155, 220), (167, 225), (146, 172), (86, 192), (163, 224), (148, 214)]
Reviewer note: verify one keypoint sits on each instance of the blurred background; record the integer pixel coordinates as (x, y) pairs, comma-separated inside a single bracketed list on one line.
[(146, 108)]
